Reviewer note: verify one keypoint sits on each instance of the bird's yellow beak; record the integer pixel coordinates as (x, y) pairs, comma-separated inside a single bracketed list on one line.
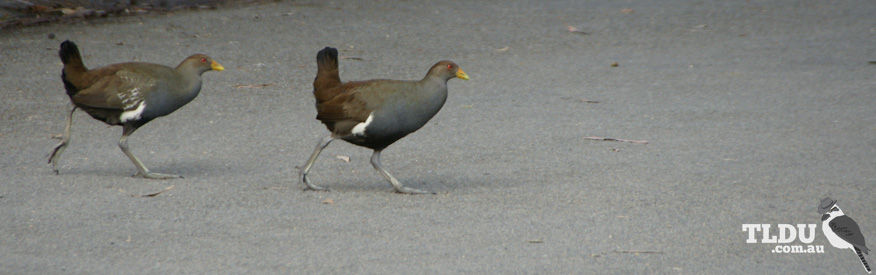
[(460, 74), (216, 66)]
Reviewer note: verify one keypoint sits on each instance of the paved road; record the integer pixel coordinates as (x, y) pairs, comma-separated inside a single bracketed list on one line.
[(753, 111)]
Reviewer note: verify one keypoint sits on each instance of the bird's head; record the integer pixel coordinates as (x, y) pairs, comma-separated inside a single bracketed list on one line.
[(834, 212), (446, 70), (200, 63)]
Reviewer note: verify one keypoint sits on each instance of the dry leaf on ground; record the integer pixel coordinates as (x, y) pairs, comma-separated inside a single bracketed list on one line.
[(573, 29)]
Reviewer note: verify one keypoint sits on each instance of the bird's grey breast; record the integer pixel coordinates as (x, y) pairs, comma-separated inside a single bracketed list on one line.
[(408, 113)]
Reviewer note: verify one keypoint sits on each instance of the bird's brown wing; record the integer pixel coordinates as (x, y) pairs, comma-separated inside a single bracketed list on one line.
[(342, 113), (351, 106), (116, 88)]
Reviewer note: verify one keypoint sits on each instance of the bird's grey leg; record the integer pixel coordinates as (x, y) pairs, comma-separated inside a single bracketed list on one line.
[(65, 140), (375, 161), (142, 170), (306, 169)]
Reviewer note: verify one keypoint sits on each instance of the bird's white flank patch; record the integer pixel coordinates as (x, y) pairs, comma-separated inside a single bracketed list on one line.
[(134, 114), (359, 129)]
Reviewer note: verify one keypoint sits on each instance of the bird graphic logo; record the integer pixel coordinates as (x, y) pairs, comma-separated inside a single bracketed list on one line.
[(841, 231)]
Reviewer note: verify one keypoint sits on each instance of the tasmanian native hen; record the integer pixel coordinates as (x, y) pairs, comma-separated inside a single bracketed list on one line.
[(375, 113), (128, 94)]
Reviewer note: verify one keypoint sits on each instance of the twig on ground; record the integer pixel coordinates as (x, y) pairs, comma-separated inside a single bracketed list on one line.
[(617, 139), (239, 86), (154, 194)]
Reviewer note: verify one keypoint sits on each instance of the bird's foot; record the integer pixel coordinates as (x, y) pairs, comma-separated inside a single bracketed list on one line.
[(54, 162), (56, 154), (311, 186), (412, 191), (156, 176)]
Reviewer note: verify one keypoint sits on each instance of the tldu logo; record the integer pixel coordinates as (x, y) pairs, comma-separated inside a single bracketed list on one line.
[(787, 233), (841, 231)]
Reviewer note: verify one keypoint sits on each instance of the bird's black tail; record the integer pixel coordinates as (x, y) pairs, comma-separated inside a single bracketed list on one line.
[(326, 75), (69, 53), (863, 260), (73, 65), (327, 58)]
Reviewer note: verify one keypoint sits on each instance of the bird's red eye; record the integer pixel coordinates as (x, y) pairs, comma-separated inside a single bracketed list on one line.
[(203, 60), (449, 66)]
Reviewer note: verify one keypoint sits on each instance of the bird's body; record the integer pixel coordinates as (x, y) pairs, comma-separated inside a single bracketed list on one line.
[(135, 87), (376, 113), (394, 113), (836, 225), (129, 94)]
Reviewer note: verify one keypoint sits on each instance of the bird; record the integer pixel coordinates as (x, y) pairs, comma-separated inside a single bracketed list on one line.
[(841, 231), (375, 113), (128, 94)]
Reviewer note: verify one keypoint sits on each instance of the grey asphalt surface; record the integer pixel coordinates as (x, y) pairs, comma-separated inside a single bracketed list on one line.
[(753, 111)]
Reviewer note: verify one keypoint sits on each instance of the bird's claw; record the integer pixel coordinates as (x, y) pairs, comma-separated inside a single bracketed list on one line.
[(156, 176), (310, 186), (315, 188), (55, 155)]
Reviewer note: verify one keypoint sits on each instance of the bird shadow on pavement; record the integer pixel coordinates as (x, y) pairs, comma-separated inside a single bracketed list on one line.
[(433, 183), (184, 168)]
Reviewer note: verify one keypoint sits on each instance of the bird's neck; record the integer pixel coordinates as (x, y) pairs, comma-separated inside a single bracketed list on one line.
[(435, 88), (190, 75), (434, 94), (190, 78), (433, 82)]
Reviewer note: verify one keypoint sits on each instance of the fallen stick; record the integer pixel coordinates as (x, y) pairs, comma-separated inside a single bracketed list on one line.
[(239, 86), (618, 139), (156, 193)]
